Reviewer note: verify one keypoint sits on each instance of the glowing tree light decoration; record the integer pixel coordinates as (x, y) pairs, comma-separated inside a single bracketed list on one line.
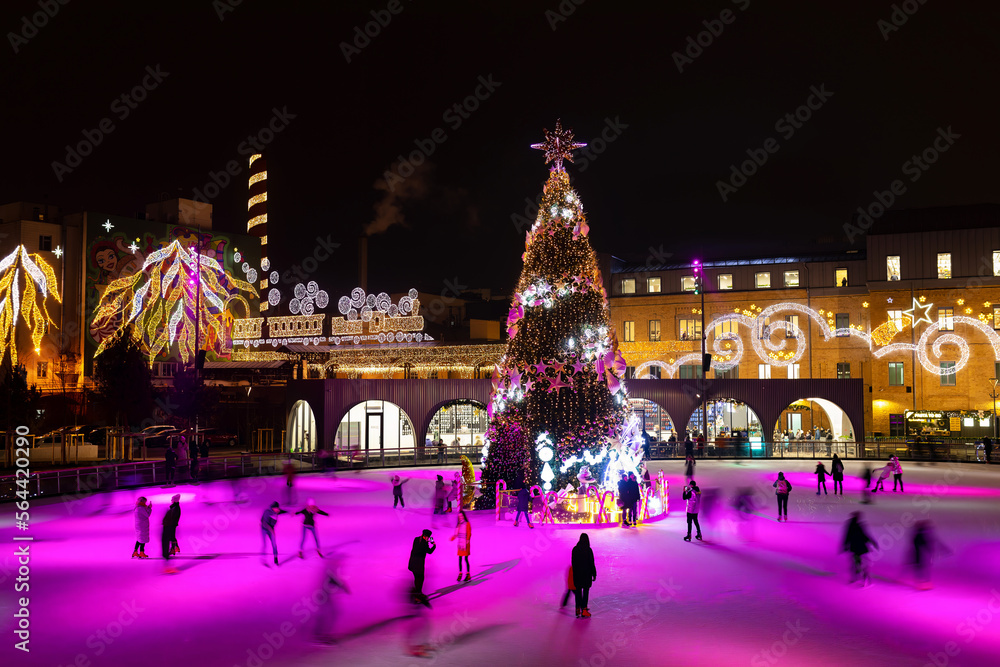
[(160, 303), (26, 283), (558, 397)]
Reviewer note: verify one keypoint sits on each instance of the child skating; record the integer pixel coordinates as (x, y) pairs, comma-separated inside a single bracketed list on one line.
[(397, 491), (463, 531), (820, 477)]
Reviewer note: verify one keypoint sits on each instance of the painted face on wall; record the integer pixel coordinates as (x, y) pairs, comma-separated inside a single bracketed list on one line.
[(107, 260)]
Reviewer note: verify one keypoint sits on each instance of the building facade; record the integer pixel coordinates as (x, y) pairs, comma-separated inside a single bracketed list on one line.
[(912, 315)]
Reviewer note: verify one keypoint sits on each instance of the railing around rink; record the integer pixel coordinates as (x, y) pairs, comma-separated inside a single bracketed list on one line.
[(81, 481)]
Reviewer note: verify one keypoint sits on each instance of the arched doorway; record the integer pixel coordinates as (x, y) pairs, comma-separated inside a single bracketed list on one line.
[(372, 427), (726, 416), (300, 430), (818, 416), (654, 419), (460, 423)]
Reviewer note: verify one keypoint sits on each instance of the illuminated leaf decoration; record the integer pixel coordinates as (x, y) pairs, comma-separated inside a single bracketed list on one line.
[(25, 302), (162, 300)]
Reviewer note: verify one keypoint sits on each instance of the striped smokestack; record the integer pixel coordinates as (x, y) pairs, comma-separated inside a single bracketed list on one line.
[(257, 202)]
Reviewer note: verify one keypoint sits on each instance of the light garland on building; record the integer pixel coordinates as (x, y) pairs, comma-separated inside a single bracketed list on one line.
[(27, 303)]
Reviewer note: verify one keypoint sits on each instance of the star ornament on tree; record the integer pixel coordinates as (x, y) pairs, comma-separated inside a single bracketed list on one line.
[(924, 317), (558, 145)]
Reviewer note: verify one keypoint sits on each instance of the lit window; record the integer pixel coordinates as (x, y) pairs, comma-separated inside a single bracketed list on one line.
[(948, 373), (628, 286), (687, 283), (42, 370), (896, 317), (653, 285), (762, 324), (840, 278), (630, 372), (690, 329), (946, 319), (996, 262), (726, 326), (793, 326), (763, 280), (843, 370), (892, 267), (791, 278), (793, 371), (843, 322), (944, 265), (895, 373), (996, 317), (654, 330), (629, 331), (725, 281), (764, 371)]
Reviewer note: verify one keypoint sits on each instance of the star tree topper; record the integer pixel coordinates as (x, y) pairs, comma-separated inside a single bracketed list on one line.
[(558, 145)]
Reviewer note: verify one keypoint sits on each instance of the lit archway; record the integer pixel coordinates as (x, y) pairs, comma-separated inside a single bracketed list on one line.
[(300, 429), (725, 417), (818, 416), (460, 423), (654, 419), (375, 426)]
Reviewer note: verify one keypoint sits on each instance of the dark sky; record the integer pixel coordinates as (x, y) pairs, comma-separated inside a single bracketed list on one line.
[(654, 186)]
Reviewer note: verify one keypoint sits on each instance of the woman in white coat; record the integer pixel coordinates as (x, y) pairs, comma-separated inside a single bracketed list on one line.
[(142, 511)]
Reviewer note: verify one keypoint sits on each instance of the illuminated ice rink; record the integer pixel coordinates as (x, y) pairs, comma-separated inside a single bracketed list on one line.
[(757, 592)]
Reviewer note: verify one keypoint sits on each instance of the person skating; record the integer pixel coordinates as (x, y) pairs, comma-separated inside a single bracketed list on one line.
[(688, 447), (988, 448), (692, 498), (837, 471), (439, 495), (523, 506), (880, 475), (782, 487), (856, 540), (584, 575), (141, 514), (452, 494), (422, 545), (689, 465), (168, 541), (897, 473), (309, 513), (397, 491), (268, 520), (926, 546), (170, 463), (463, 531), (866, 477), (821, 478)]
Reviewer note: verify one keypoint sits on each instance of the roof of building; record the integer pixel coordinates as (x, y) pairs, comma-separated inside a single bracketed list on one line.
[(619, 266), (234, 365), (939, 218)]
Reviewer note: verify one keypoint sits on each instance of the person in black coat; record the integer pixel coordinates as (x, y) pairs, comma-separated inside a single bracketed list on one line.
[(584, 575), (168, 541), (688, 447), (856, 540), (170, 463), (988, 448), (523, 506), (837, 471), (623, 494), (422, 545), (634, 496), (268, 520)]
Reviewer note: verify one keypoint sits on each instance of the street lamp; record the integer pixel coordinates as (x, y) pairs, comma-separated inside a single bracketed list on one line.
[(993, 394)]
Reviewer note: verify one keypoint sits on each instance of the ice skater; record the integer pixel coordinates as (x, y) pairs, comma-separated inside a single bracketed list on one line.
[(856, 540), (782, 487), (439, 494), (634, 496), (422, 545), (523, 506), (268, 520), (168, 541), (897, 473), (141, 513), (331, 584), (452, 495), (837, 471), (584, 573), (289, 471), (170, 464), (309, 513), (821, 478), (880, 475), (689, 465), (397, 491), (463, 532), (866, 477), (692, 498), (926, 546)]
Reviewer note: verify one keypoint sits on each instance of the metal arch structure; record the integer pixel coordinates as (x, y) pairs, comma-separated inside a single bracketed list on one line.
[(767, 398), (331, 400)]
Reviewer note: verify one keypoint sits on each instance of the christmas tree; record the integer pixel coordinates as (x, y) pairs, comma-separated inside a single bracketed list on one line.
[(558, 401)]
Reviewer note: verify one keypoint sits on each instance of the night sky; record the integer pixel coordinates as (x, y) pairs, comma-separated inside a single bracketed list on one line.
[(606, 67)]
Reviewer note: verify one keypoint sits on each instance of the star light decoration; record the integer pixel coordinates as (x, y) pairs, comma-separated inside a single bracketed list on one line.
[(160, 303), (108, 226), (558, 145), (58, 252), (918, 305), (133, 247), (26, 282)]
